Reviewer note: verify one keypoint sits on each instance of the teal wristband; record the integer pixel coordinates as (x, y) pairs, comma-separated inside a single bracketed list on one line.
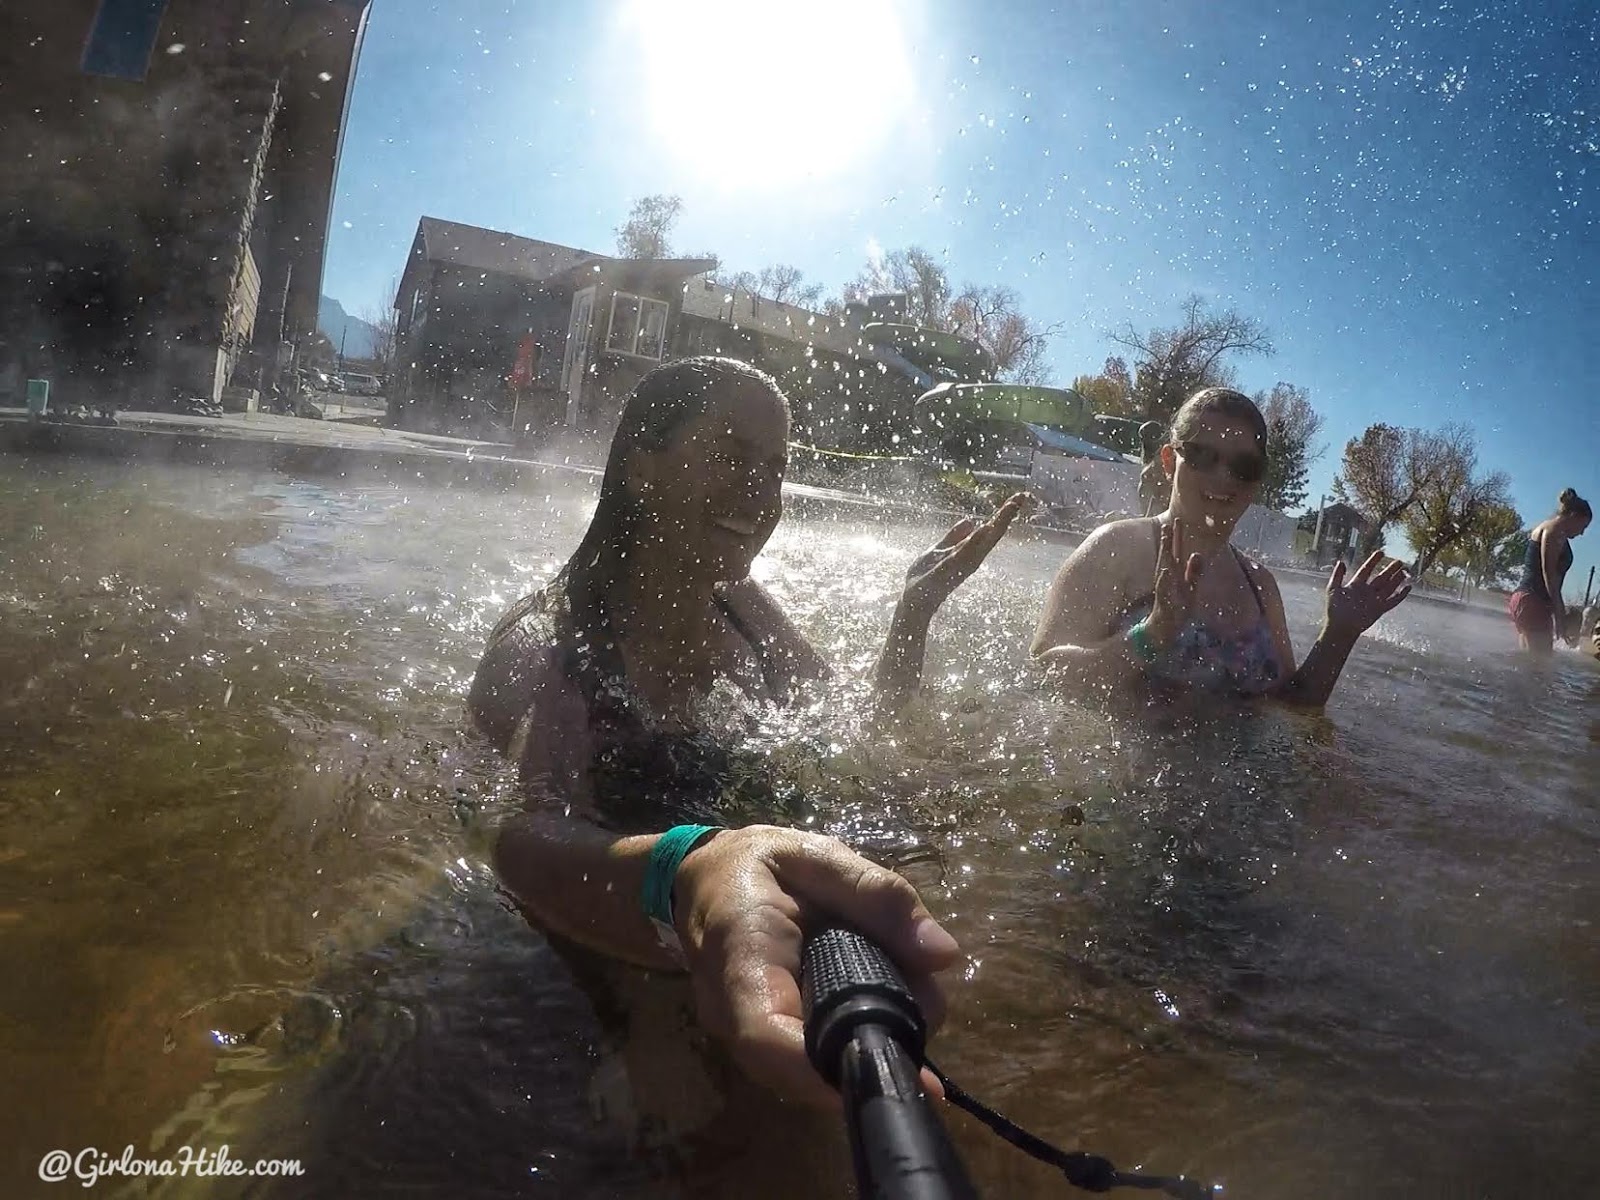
[(666, 856), (1139, 639)]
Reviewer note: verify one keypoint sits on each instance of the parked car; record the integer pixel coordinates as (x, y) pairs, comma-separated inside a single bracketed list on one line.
[(363, 385)]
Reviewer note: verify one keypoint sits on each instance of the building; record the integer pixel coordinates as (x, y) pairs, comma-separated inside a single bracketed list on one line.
[(502, 335), (1341, 529), (853, 377), (496, 332), (169, 175)]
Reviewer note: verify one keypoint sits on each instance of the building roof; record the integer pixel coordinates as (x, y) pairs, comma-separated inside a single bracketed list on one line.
[(713, 301), (496, 252), (492, 250), (656, 275)]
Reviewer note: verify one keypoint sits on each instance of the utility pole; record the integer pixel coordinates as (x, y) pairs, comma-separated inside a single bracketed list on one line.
[(1316, 538), (343, 333)]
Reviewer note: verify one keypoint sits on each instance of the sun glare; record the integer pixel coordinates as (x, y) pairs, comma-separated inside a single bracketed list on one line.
[(757, 94)]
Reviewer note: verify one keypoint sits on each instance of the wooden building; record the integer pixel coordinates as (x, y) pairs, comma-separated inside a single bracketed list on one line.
[(497, 333), (501, 335)]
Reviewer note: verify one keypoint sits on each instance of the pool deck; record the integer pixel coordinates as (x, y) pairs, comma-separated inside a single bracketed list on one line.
[(351, 448), (347, 445)]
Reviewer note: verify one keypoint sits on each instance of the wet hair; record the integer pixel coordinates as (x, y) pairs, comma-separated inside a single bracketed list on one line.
[(1222, 402), (668, 398), (1570, 504), (1151, 436)]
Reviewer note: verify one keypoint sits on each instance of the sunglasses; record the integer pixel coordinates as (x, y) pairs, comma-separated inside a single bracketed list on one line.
[(1247, 467)]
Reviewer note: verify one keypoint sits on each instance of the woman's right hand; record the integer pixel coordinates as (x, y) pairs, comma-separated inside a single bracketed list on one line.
[(743, 902), (945, 566), (1177, 578)]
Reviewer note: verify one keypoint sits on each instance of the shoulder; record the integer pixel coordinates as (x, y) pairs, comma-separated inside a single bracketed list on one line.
[(1117, 537), (786, 653), (1260, 576), (1110, 557), (523, 665)]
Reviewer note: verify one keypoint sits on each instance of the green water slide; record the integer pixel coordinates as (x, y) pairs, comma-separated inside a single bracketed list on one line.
[(936, 360), (951, 405), (940, 355)]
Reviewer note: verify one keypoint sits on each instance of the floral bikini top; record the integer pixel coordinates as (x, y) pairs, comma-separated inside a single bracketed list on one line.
[(1246, 663)]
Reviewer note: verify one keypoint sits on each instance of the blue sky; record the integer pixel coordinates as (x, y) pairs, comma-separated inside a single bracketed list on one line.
[(1404, 194)]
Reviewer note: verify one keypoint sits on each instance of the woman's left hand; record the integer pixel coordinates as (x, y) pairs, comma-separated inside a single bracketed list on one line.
[(948, 564), (1355, 607)]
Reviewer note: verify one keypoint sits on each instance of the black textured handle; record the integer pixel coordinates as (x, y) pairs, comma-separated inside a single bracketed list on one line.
[(846, 980)]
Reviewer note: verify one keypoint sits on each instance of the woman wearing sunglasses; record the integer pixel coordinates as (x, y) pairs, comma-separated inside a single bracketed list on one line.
[(1168, 600)]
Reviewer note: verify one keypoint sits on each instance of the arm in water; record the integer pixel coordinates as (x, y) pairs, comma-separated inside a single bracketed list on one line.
[(1351, 609), (1551, 543), (930, 581), (779, 639), (740, 900)]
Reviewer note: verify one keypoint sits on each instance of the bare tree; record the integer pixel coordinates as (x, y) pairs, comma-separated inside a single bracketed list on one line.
[(779, 282), (1106, 394), (1493, 547), (1384, 473), (989, 315), (913, 273), (1456, 499), (1292, 429), (784, 283), (385, 323), (647, 233), (1171, 364)]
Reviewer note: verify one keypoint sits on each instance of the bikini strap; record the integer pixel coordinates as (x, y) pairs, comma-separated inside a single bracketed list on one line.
[(1249, 577)]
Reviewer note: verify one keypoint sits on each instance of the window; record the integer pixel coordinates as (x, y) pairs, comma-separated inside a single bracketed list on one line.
[(123, 37), (638, 326)]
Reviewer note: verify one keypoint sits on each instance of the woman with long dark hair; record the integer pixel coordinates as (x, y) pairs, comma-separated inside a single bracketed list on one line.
[(604, 686)]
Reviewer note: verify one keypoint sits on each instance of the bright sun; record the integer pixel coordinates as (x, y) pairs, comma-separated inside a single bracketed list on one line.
[(757, 94)]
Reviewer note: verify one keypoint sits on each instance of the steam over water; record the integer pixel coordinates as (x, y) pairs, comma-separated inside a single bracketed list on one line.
[(244, 895)]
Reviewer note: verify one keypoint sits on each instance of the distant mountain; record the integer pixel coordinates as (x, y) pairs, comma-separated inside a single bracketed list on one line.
[(359, 337)]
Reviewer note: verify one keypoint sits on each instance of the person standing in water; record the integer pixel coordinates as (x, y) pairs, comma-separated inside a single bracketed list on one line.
[(1166, 600), (1536, 607), (609, 688)]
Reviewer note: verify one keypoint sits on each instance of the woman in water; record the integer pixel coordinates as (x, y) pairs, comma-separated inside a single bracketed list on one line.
[(1536, 607), (1168, 600), (606, 688)]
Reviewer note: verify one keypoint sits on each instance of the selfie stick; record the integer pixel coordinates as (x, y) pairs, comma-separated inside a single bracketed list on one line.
[(865, 1034)]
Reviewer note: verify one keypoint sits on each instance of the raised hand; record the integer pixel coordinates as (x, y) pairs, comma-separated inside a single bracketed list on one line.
[(1354, 607), (951, 561), (1177, 578)]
